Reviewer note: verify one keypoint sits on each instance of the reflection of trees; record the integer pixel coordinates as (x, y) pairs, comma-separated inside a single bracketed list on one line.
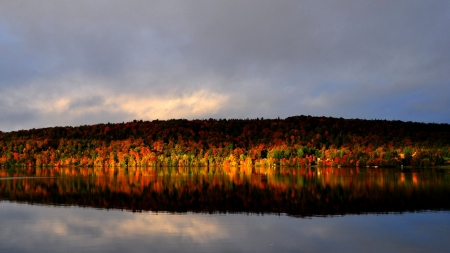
[(305, 191)]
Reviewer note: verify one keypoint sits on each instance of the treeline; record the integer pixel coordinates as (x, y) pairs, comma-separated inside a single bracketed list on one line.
[(294, 141)]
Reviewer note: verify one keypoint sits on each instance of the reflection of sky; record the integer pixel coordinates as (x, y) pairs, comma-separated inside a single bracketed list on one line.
[(28, 228)]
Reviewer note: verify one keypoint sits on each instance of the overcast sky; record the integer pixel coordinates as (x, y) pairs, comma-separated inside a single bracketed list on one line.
[(67, 62)]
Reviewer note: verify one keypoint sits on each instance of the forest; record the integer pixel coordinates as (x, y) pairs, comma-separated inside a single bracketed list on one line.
[(297, 141)]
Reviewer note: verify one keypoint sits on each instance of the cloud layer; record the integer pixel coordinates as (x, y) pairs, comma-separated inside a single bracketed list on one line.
[(79, 62)]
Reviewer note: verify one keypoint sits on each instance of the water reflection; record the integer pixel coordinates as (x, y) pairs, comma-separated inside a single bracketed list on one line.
[(30, 228), (294, 191)]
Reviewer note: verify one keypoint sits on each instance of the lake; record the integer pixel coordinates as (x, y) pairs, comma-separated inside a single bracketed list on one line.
[(224, 210)]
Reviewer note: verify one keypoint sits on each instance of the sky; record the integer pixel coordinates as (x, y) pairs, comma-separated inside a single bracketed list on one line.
[(70, 63)]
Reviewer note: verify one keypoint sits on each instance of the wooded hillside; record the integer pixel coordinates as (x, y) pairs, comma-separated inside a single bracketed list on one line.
[(294, 141)]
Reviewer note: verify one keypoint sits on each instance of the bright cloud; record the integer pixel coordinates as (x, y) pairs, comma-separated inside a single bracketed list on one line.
[(198, 104)]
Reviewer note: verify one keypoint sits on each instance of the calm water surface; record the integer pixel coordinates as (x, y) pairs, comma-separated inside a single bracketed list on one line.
[(227, 210)]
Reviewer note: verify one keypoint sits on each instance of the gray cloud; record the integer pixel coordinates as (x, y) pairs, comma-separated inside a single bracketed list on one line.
[(378, 59)]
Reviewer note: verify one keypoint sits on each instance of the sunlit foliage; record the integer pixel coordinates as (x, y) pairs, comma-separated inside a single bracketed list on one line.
[(295, 141)]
